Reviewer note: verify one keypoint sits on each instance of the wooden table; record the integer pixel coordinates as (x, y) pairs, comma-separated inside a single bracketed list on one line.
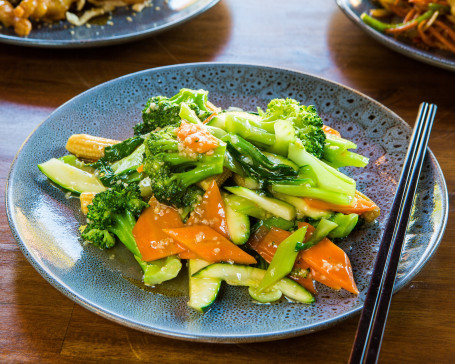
[(39, 324)]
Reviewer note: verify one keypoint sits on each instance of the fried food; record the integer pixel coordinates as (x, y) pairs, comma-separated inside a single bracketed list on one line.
[(19, 16)]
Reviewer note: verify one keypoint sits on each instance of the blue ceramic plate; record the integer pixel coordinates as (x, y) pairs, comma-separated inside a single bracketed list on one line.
[(354, 8), (109, 282), (127, 26)]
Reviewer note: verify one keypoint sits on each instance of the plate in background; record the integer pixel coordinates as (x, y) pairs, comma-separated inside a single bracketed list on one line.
[(45, 223), (436, 57), (127, 26)]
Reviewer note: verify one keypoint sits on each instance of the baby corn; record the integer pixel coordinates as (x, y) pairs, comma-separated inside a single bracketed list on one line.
[(86, 199), (370, 216), (88, 147)]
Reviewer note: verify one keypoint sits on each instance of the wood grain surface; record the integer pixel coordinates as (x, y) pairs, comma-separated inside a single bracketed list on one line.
[(39, 324)]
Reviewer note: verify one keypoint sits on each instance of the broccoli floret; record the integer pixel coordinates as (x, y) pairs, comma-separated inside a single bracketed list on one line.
[(99, 236), (308, 126), (174, 171), (309, 129), (161, 111), (113, 213)]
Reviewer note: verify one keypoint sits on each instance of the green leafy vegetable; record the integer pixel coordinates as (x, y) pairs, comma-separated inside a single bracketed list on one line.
[(174, 173)]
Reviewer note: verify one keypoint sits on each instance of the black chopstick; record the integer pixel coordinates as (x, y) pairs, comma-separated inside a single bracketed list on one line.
[(372, 322)]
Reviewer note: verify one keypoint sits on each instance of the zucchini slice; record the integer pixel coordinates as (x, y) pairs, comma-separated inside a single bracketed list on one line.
[(242, 275), (302, 208), (72, 160), (238, 223), (70, 178), (275, 207), (266, 296), (161, 270), (203, 291), (247, 207)]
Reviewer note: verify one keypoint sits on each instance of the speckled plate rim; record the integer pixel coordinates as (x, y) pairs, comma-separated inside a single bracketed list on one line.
[(400, 47), (52, 43), (227, 338)]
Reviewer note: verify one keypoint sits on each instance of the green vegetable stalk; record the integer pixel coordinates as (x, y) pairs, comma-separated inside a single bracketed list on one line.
[(255, 163), (346, 223), (322, 230), (283, 260), (336, 153)]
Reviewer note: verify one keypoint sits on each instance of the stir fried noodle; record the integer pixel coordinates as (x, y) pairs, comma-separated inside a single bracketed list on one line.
[(428, 23)]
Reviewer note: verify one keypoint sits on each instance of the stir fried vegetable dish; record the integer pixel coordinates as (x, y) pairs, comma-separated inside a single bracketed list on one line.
[(430, 24), (253, 199)]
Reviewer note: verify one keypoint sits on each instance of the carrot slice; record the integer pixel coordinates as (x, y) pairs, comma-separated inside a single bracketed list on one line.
[(331, 131), (328, 263), (188, 254), (360, 204), (326, 281), (152, 242), (210, 211), (266, 245), (319, 257), (196, 137), (258, 235), (209, 244), (331, 265), (140, 169)]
